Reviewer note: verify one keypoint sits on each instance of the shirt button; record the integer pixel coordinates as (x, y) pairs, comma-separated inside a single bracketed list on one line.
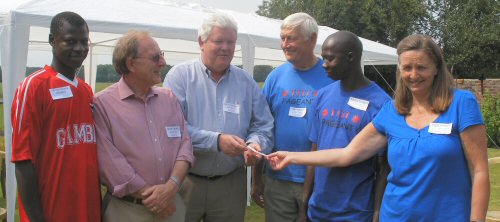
[(159, 159), (161, 178), (150, 121), (156, 140)]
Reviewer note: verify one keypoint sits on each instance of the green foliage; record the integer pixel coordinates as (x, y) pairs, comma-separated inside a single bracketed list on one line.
[(165, 70), (260, 72), (107, 73), (383, 21), (491, 114), (468, 31), (471, 37)]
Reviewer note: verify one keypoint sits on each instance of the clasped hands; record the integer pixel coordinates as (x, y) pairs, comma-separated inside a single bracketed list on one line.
[(159, 199)]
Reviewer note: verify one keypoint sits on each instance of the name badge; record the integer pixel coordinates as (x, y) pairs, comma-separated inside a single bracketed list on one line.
[(356, 103), (232, 108), (61, 93), (440, 128), (173, 131), (297, 112)]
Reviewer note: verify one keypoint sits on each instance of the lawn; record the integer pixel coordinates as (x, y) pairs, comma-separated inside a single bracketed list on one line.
[(494, 181)]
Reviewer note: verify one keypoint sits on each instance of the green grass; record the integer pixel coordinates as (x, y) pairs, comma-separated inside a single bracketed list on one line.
[(101, 85), (494, 181), (254, 213)]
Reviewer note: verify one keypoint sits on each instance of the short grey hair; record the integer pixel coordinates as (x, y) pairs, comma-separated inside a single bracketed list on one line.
[(306, 24), (217, 19)]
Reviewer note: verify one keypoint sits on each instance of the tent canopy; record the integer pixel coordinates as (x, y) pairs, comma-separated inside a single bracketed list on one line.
[(24, 28)]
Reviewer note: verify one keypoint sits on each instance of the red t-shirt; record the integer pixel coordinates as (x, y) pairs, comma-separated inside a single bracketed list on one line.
[(53, 127)]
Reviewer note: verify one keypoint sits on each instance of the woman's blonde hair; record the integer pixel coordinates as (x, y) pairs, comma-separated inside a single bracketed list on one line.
[(442, 85)]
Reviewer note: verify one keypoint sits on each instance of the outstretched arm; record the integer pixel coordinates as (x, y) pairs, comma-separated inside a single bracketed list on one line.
[(365, 145), (474, 143)]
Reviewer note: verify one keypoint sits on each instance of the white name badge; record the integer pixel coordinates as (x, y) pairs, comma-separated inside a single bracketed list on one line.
[(356, 103), (440, 128), (232, 108), (173, 131), (297, 112), (61, 93)]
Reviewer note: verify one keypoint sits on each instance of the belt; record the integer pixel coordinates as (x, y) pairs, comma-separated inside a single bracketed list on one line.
[(211, 178), (131, 199)]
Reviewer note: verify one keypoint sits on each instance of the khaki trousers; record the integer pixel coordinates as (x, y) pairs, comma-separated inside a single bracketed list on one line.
[(122, 211), (282, 200), (219, 200)]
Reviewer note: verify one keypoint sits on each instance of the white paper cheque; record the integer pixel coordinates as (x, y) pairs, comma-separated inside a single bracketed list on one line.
[(254, 150)]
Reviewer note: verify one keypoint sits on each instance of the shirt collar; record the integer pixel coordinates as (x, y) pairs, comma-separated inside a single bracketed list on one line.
[(209, 73), (124, 90), (73, 82)]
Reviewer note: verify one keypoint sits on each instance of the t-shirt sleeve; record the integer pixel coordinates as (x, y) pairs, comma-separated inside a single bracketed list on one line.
[(26, 123), (469, 113), (381, 117)]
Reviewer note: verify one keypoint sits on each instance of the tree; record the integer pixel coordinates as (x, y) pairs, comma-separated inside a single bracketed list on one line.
[(260, 72), (106, 73), (468, 31), (165, 70), (382, 21), (471, 37)]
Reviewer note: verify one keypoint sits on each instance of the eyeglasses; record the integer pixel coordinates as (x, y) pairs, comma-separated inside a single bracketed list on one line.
[(156, 58)]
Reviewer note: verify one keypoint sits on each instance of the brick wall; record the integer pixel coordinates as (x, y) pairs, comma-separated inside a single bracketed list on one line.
[(490, 86)]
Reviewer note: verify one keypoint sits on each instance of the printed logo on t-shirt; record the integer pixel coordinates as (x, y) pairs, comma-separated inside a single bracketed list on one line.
[(336, 118), (75, 134), (298, 96)]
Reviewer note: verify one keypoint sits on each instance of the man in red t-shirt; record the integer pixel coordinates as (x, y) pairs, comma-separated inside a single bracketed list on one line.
[(53, 141)]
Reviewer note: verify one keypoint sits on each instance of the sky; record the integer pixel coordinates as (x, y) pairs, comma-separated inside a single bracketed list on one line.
[(245, 6)]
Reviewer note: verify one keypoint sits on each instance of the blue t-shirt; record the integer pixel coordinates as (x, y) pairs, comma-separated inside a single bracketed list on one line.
[(429, 180), (343, 193), (291, 91)]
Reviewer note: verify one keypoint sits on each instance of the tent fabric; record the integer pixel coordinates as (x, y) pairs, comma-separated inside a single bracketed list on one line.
[(24, 27)]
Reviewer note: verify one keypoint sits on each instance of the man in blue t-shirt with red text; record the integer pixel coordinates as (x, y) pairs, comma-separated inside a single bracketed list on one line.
[(341, 110), (290, 91)]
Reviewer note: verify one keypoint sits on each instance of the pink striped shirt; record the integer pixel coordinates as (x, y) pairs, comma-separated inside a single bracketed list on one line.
[(134, 147)]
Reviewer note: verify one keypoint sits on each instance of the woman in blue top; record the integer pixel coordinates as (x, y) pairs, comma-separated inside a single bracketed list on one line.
[(436, 143)]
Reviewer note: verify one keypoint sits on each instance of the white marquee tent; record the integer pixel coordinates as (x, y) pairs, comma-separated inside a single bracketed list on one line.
[(24, 29)]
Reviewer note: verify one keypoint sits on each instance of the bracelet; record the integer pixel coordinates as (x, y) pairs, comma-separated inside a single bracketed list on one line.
[(176, 181), (218, 139)]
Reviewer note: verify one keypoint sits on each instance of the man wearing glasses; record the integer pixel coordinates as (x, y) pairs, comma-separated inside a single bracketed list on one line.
[(225, 112), (143, 145)]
